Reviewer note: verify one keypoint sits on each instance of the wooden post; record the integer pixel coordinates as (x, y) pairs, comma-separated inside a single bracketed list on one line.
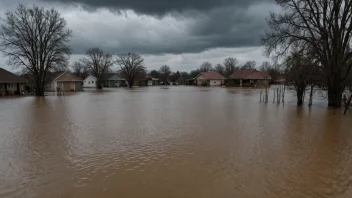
[(260, 96), (283, 94), (274, 96)]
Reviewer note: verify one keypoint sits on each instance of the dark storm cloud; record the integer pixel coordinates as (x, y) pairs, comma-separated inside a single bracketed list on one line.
[(161, 7), (200, 24)]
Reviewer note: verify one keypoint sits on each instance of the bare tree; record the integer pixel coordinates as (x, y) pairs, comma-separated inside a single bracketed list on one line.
[(230, 66), (98, 63), (165, 73), (220, 69), (274, 70), (300, 70), (80, 70), (323, 25), (37, 40), (249, 65), (132, 67), (206, 67)]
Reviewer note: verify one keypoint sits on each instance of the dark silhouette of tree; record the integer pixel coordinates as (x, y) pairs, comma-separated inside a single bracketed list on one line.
[(79, 70), (206, 67), (131, 67), (220, 69), (274, 70), (98, 63), (37, 40), (165, 73), (194, 73), (154, 74), (230, 66), (175, 76), (249, 65), (324, 26)]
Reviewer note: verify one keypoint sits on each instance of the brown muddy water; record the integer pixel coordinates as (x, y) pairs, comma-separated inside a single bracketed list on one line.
[(176, 142)]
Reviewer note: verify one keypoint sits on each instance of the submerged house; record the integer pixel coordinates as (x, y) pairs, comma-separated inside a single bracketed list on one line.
[(112, 80), (181, 81), (64, 81), (109, 80), (148, 80), (90, 82), (249, 78), (209, 79), (11, 83)]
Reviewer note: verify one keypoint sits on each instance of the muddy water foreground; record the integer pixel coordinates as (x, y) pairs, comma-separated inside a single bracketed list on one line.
[(178, 142)]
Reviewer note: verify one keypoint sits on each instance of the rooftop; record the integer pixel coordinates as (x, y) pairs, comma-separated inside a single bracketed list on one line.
[(8, 77)]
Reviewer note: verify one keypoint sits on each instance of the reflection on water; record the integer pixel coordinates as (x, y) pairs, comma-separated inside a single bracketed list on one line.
[(176, 142)]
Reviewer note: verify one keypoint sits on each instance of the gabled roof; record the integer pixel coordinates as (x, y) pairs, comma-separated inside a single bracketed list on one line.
[(54, 75), (250, 74), (211, 76), (67, 77), (149, 77), (8, 77), (107, 76)]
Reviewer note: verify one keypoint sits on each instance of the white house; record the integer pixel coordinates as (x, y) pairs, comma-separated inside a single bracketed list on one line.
[(90, 82)]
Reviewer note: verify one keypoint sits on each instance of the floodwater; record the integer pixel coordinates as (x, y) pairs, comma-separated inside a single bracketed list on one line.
[(174, 142)]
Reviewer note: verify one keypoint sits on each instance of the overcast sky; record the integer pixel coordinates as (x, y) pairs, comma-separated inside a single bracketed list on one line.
[(179, 33)]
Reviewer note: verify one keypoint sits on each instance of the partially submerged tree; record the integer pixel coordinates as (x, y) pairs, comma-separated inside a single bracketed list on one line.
[(79, 70), (220, 69), (300, 70), (165, 73), (326, 27), (206, 67), (131, 67), (230, 66), (98, 63), (37, 40)]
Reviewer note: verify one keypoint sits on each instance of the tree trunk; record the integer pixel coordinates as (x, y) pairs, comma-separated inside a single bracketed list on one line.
[(130, 83), (335, 96), (347, 104), (39, 88), (39, 91), (311, 95), (300, 95), (99, 84)]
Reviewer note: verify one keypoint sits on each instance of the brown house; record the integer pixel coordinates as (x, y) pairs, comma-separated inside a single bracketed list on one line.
[(209, 79), (249, 78), (11, 83), (64, 81)]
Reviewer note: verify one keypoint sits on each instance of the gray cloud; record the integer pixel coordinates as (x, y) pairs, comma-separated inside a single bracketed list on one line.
[(181, 31), (160, 7)]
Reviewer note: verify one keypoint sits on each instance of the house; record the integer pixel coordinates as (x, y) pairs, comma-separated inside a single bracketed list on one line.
[(280, 80), (209, 79), (63, 81), (90, 82), (249, 78), (181, 81), (11, 83), (112, 80), (149, 81), (109, 80)]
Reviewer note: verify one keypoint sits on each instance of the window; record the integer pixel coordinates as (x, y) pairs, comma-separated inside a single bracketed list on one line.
[(93, 82), (88, 82)]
